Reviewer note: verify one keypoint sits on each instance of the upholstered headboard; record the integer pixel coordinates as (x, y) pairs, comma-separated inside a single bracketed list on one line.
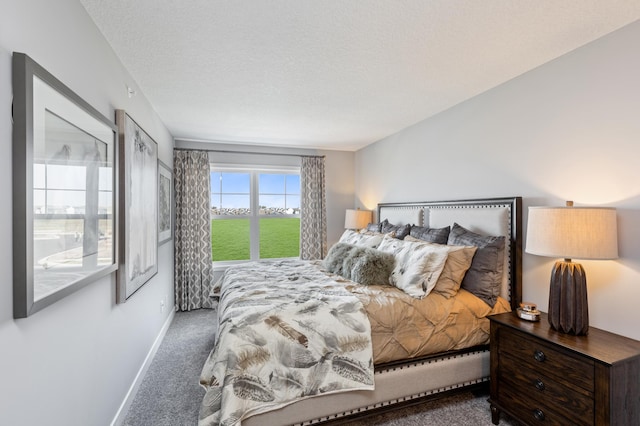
[(493, 216)]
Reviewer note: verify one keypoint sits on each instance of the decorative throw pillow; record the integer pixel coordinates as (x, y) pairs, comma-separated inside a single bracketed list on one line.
[(389, 244), (374, 227), (484, 277), (368, 266), (432, 235), (457, 264), (346, 235), (335, 257), (365, 239), (399, 231), (418, 265)]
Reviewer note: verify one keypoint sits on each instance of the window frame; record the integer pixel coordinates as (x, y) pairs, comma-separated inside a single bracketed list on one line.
[(254, 217)]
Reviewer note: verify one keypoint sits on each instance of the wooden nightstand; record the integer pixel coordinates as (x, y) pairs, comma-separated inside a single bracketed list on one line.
[(541, 376)]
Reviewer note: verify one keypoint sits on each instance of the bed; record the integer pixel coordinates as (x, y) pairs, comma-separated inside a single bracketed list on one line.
[(329, 349)]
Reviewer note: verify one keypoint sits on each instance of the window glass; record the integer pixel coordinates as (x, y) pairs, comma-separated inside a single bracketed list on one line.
[(235, 183), (293, 184), (230, 193), (230, 239), (279, 237), (254, 215), (66, 177), (279, 194), (271, 183), (293, 201)]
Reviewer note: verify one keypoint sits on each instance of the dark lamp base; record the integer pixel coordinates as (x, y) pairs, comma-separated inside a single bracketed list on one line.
[(568, 308)]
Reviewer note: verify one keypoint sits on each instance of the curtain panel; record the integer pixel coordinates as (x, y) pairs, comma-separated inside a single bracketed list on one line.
[(193, 272), (313, 214)]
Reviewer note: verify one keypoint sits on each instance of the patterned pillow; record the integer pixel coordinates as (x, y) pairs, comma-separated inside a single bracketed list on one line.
[(484, 277), (364, 239), (457, 264), (432, 235), (399, 231), (418, 265)]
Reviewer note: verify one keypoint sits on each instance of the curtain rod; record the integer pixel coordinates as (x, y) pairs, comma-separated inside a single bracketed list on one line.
[(248, 152)]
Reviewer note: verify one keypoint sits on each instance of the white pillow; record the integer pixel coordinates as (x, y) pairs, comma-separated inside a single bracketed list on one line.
[(362, 239), (418, 265)]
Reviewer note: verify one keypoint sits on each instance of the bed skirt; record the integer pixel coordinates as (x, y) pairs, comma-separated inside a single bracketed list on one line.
[(396, 383)]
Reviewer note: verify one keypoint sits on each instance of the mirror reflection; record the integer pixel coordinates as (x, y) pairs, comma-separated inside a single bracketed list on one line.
[(72, 206)]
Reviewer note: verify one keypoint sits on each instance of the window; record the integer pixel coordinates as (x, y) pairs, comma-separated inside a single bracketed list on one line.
[(72, 205), (255, 213), (69, 227)]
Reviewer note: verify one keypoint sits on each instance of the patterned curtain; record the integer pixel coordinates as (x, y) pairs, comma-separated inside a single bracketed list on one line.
[(193, 273), (313, 215)]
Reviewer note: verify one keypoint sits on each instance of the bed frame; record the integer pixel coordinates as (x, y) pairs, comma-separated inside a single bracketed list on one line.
[(403, 383)]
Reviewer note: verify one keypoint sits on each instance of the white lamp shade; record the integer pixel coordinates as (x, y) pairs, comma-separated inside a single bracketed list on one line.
[(357, 219), (572, 232)]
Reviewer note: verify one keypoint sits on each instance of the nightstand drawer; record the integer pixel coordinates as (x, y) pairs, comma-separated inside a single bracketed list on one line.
[(532, 412), (536, 390), (533, 352)]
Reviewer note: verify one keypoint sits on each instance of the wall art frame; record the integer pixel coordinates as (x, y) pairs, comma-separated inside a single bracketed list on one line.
[(138, 207), (65, 196), (165, 203)]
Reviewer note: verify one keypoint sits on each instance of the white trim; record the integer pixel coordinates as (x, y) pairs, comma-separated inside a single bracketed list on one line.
[(234, 167), (118, 419)]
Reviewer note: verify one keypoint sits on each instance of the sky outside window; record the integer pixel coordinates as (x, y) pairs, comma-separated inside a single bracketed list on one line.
[(279, 190), (230, 190)]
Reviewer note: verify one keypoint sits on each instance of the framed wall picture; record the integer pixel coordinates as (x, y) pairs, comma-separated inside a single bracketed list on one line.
[(138, 207), (65, 200), (165, 203)]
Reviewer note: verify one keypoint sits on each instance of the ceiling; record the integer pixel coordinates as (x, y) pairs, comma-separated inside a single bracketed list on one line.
[(334, 74)]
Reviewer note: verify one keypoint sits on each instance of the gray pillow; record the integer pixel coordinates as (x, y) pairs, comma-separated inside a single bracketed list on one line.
[(484, 277), (374, 227), (399, 231), (336, 256), (431, 235), (369, 266)]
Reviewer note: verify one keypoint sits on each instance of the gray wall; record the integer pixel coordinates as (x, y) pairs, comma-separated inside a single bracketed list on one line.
[(568, 130), (73, 362)]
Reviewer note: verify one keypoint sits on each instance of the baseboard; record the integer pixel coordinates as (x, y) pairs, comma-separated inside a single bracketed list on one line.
[(133, 389)]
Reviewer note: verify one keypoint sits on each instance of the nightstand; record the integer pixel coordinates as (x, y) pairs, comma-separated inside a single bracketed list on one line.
[(541, 376)]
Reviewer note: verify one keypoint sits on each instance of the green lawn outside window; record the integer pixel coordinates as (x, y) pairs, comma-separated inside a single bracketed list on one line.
[(279, 237)]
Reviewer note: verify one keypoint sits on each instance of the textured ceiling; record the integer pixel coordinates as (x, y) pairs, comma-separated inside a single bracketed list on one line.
[(334, 74)]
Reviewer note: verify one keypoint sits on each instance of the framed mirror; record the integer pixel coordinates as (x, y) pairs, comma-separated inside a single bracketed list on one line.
[(64, 190)]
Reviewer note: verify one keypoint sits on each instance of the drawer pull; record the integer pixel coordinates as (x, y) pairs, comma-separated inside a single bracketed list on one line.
[(538, 414), (539, 384), (539, 356)]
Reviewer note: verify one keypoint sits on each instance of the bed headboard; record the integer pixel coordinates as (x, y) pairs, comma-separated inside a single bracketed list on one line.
[(491, 216)]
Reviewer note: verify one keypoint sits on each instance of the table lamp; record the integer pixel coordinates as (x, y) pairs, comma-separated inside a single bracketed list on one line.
[(571, 233), (357, 219)]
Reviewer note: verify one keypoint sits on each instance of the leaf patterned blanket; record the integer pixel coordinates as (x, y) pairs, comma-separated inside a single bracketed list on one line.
[(286, 331)]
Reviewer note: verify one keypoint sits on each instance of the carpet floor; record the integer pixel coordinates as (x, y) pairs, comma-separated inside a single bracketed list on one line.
[(170, 394)]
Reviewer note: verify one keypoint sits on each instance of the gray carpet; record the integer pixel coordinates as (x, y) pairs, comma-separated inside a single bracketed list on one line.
[(170, 394)]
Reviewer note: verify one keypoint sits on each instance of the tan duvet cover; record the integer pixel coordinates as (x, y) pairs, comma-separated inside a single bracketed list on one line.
[(404, 327)]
